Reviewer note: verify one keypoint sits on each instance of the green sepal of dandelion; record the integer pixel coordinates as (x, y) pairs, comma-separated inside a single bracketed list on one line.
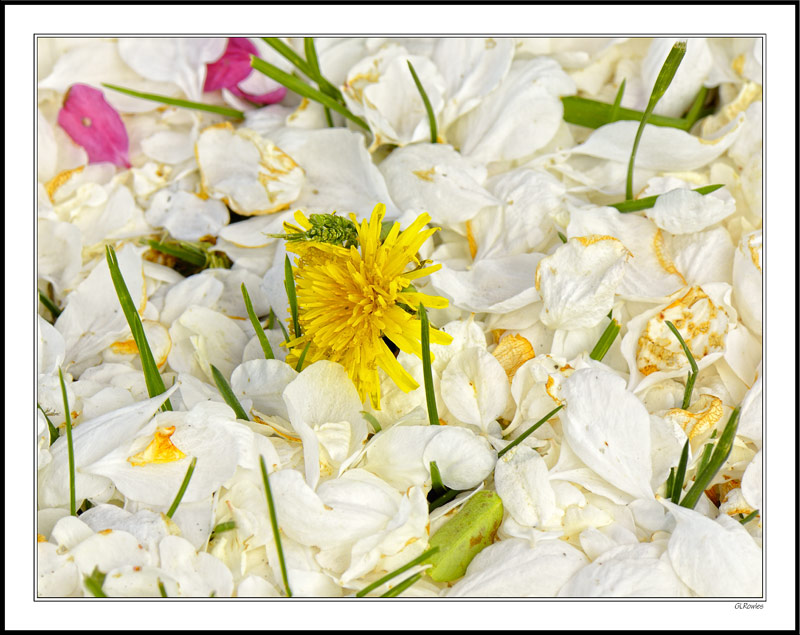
[(325, 228)]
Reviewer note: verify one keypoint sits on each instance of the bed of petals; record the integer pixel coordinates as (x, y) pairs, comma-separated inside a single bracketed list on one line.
[(533, 263)]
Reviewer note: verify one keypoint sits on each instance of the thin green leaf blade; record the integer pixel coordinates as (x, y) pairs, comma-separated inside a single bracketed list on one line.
[(393, 574), (227, 394), (73, 507), (427, 372), (427, 102), (665, 75), (94, 583), (260, 334), (395, 591), (636, 205), (273, 519), (462, 537), (182, 490), (529, 431), (291, 293), (152, 377), (680, 474), (718, 457), (180, 103), (304, 90), (606, 340)]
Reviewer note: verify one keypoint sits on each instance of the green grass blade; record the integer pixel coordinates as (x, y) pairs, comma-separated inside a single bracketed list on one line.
[(227, 394), (286, 337), (427, 102), (606, 340), (617, 102), (304, 90), (687, 395), (665, 76), (529, 431), (180, 103), (152, 378), (430, 395), (53, 430), (590, 113), (273, 519), (413, 563), (49, 305), (162, 589), (697, 107), (179, 496), (372, 420), (436, 480), (749, 517), (260, 334), (313, 63), (194, 258), (443, 499), (94, 583), (73, 507), (670, 483), (302, 358), (680, 475), (626, 207), (706, 456), (291, 293), (270, 319), (223, 527), (718, 457), (395, 591), (290, 54)]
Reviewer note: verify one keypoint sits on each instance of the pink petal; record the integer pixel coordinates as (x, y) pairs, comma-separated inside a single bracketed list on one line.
[(232, 67), (92, 123), (272, 97)]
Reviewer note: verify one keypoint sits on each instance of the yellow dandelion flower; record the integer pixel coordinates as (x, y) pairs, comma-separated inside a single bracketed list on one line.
[(349, 300)]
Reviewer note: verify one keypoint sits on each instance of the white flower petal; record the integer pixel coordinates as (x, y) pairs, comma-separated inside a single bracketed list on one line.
[(512, 568), (435, 178), (752, 482), (609, 429), (684, 211), (578, 281), (627, 571), (650, 273), (463, 458), (519, 116), (494, 285), (522, 481), (475, 387), (714, 558), (249, 173), (660, 148), (181, 61), (747, 280)]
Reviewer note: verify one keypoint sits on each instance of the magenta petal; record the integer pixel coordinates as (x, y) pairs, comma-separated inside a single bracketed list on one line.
[(232, 67), (272, 97), (92, 123)]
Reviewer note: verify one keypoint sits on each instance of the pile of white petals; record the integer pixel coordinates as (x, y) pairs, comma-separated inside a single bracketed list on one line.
[(534, 262)]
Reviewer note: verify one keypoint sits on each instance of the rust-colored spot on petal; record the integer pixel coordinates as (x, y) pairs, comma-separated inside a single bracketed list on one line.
[(159, 450), (105, 532), (512, 352)]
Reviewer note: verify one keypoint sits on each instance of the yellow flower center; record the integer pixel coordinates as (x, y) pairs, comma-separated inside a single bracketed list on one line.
[(350, 299)]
